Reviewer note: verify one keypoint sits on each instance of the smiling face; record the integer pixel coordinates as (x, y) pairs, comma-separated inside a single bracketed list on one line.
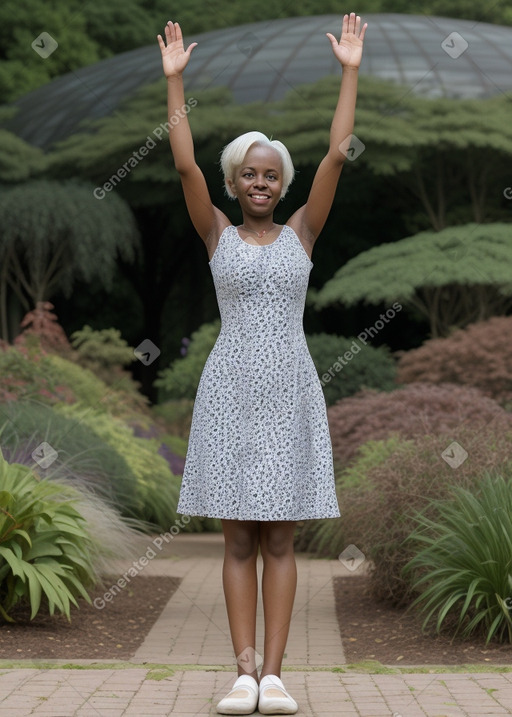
[(259, 181)]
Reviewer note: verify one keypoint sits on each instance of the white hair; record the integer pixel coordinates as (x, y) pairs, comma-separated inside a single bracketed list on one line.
[(233, 155)]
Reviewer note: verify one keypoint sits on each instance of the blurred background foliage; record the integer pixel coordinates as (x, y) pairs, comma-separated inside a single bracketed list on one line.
[(420, 218)]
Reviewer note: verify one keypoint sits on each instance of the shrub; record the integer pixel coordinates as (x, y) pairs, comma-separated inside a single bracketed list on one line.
[(55, 541), (181, 379), (105, 348), (30, 373), (367, 367), (121, 398), (463, 561), (157, 489), (177, 416), (105, 353), (83, 457), (413, 410), (326, 537), (25, 376), (381, 492), (478, 355), (41, 328)]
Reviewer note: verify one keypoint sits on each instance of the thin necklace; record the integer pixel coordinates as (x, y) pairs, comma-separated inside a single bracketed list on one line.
[(260, 234)]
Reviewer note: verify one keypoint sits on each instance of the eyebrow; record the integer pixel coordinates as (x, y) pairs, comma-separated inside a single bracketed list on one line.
[(270, 169)]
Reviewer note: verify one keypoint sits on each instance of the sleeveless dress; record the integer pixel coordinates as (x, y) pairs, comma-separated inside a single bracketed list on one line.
[(259, 445)]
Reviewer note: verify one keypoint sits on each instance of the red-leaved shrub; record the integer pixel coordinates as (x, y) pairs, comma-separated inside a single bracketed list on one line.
[(42, 325), (479, 355), (378, 515), (413, 410), (388, 483)]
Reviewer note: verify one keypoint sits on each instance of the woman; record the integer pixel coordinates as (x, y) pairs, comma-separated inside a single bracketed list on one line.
[(259, 455)]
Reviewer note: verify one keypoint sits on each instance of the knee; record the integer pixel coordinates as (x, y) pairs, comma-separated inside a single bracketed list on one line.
[(277, 545), (242, 547)]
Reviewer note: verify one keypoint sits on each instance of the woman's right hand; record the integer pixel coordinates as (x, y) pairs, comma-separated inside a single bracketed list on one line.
[(174, 57)]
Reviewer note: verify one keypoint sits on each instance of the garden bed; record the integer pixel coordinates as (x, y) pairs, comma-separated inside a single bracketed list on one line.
[(114, 632), (376, 631)]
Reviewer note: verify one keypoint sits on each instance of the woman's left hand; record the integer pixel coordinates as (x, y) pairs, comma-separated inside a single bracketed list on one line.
[(349, 50)]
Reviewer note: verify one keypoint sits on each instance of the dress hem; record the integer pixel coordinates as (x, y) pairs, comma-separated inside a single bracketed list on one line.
[(261, 520)]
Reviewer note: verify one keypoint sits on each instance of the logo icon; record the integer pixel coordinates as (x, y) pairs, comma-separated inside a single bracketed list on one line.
[(352, 557), (249, 659), (44, 45), (249, 44), (454, 455), (454, 45), (351, 147), (147, 352), (44, 455)]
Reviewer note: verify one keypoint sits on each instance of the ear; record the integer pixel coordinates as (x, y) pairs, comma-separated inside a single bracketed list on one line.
[(231, 185)]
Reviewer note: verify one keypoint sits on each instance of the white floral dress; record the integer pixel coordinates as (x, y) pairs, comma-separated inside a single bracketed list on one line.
[(259, 445)]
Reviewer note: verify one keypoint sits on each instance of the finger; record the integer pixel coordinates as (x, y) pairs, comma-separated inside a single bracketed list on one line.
[(344, 27), (333, 40), (179, 34), (363, 31), (190, 48), (357, 25), (160, 42)]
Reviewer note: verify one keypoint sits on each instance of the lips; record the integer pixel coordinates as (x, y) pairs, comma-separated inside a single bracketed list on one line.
[(259, 198)]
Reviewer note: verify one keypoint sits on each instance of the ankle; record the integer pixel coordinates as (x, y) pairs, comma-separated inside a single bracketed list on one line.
[(274, 673), (253, 674)]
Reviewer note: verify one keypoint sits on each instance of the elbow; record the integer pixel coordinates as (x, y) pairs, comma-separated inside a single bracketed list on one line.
[(184, 169), (337, 156)]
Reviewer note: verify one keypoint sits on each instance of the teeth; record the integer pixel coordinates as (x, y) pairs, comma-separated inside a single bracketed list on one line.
[(259, 196)]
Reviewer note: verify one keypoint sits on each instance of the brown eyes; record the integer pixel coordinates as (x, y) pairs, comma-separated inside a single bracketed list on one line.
[(269, 176)]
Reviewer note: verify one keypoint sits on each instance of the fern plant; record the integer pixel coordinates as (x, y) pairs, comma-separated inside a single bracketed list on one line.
[(463, 567)]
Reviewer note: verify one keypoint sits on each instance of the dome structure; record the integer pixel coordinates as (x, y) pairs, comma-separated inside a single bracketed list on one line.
[(434, 56)]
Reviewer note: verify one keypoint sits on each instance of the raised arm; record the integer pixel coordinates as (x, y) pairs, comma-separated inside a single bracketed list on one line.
[(311, 217), (174, 60)]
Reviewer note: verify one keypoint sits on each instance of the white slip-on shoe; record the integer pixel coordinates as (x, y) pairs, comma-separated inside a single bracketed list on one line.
[(242, 699), (274, 699)]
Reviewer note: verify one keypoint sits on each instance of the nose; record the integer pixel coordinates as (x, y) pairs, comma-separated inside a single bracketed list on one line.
[(260, 181)]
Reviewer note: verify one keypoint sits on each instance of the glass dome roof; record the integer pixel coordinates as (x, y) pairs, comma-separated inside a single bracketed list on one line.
[(435, 56)]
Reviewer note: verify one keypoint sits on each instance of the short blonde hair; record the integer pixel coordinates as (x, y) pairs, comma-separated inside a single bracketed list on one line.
[(233, 155)]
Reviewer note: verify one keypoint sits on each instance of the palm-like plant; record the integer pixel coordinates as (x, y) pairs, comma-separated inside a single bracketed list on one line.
[(463, 567), (45, 547)]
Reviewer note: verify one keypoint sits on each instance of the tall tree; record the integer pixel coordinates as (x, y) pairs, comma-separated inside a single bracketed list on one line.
[(19, 160), (52, 233), (400, 134), (453, 277)]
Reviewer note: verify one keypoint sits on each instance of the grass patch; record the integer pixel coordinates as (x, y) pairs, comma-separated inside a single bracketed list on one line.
[(156, 670)]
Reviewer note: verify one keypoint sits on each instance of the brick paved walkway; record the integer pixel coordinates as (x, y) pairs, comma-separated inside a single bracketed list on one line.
[(190, 643)]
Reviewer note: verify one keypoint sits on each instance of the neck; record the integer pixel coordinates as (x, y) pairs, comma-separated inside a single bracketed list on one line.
[(260, 232)]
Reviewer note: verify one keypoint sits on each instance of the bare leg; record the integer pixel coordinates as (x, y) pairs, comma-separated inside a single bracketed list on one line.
[(240, 582), (279, 583)]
